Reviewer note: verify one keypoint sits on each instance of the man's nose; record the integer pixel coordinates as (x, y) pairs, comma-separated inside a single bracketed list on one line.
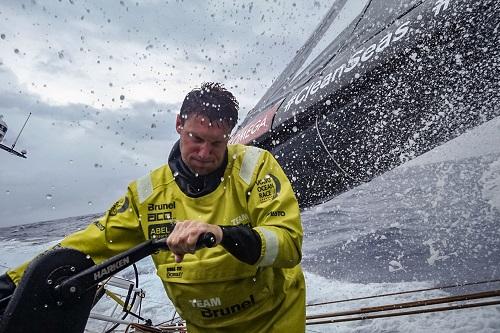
[(204, 150)]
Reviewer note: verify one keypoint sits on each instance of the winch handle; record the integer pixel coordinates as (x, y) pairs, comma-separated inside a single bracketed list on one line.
[(205, 240), (79, 283)]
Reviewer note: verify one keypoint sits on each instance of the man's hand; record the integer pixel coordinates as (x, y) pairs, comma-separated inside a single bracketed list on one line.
[(183, 238)]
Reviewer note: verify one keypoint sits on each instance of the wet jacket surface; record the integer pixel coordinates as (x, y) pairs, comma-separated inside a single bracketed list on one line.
[(211, 289)]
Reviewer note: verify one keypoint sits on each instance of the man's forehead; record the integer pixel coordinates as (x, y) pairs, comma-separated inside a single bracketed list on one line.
[(205, 121), (202, 126)]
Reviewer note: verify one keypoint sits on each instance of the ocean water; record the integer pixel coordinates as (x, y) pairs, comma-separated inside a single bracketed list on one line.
[(431, 222)]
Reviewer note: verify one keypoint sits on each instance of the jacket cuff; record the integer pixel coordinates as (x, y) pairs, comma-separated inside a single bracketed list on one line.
[(270, 246)]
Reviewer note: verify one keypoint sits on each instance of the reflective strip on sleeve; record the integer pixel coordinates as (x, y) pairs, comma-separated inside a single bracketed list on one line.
[(250, 160), (144, 187), (272, 246)]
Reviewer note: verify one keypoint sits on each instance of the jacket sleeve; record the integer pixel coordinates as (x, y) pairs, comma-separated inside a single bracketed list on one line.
[(118, 230), (275, 215), (242, 242)]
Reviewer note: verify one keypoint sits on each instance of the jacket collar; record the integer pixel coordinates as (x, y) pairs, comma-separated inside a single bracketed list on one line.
[(191, 184)]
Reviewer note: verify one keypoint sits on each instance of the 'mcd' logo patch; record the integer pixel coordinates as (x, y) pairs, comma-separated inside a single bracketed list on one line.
[(119, 207), (268, 188)]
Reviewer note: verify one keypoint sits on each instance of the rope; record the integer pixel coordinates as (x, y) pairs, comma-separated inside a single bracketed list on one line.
[(405, 292), (310, 320), (405, 313)]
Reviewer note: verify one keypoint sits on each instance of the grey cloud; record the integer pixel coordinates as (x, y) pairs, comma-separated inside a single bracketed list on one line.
[(82, 153)]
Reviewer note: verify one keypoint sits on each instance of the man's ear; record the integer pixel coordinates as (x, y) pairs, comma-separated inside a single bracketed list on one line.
[(178, 124)]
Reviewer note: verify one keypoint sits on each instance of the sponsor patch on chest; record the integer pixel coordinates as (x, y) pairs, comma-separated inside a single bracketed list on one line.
[(268, 188)]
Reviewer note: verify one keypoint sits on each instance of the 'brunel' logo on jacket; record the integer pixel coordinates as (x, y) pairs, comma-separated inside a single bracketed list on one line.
[(208, 311), (158, 212), (164, 206)]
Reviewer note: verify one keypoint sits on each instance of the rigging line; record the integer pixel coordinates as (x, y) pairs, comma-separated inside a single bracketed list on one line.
[(398, 306), (331, 156), (17, 138), (405, 313), (362, 15), (407, 292)]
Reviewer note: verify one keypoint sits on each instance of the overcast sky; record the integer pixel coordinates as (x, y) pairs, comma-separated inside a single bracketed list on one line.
[(104, 80)]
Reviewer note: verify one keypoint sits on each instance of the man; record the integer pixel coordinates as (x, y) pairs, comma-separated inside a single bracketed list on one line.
[(253, 281)]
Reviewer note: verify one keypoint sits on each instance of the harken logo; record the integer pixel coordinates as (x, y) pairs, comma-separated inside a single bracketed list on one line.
[(110, 269)]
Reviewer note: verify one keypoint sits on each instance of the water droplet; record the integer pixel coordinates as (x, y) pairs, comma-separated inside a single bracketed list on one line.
[(295, 129), (221, 179), (328, 102), (122, 97), (90, 203), (87, 256), (2, 36), (48, 196), (176, 174), (7, 192)]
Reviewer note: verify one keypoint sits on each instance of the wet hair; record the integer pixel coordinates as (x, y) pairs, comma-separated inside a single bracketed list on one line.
[(213, 101)]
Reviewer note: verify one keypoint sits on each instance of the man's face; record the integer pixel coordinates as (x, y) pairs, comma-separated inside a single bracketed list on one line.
[(203, 144)]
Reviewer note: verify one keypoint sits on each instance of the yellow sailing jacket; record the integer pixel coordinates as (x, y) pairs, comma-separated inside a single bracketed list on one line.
[(212, 290)]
